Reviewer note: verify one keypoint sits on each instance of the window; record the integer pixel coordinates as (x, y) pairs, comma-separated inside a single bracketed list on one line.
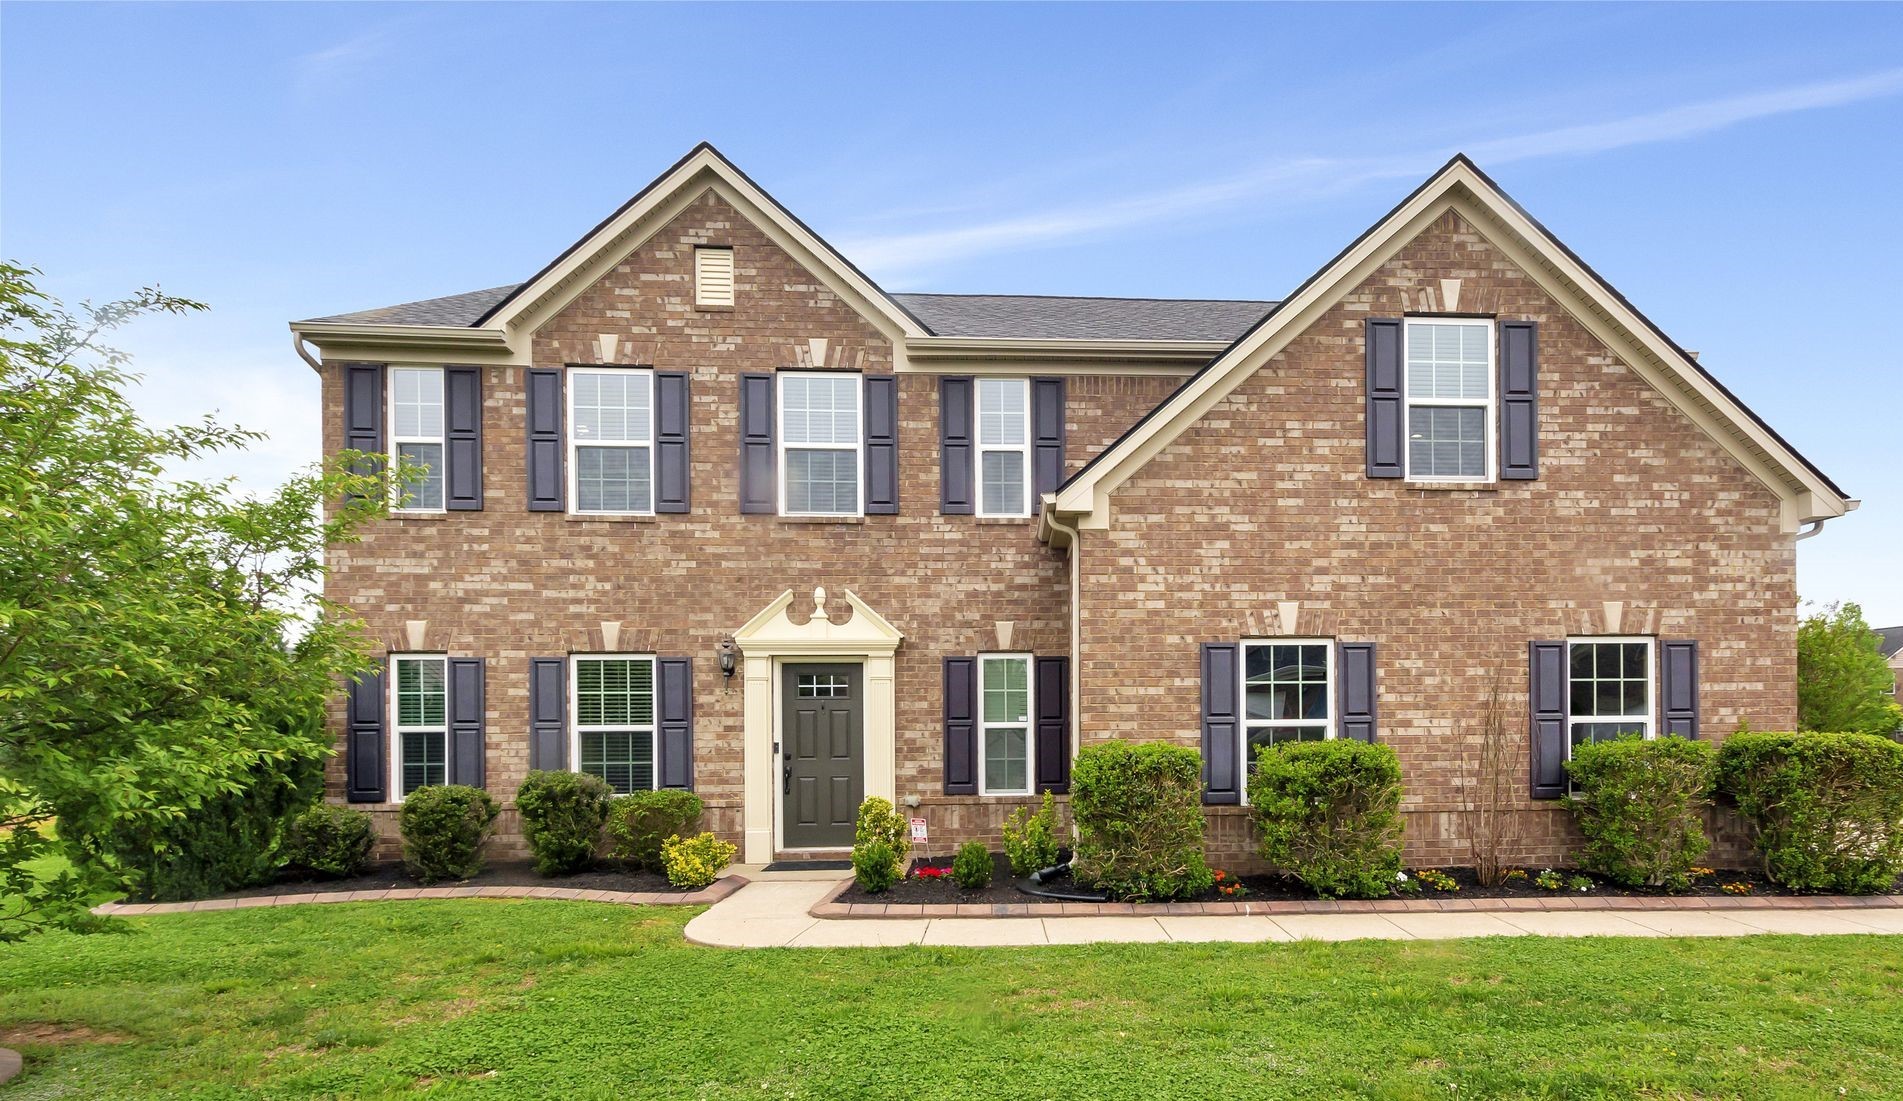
[(421, 730), (1449, 399), (610, 439), (416, 434), (1004, 724), (1611, 680), (713, 276), (1288, 694), (823, 686), (819, 444), (1004, 446), (614, 720)]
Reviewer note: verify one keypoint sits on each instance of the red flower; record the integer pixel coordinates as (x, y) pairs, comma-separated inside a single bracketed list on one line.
[(1219, 875)]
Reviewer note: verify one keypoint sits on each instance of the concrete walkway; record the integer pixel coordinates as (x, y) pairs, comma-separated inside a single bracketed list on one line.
[(773, 913)]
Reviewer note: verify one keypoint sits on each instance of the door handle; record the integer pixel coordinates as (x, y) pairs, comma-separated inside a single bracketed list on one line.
[(786, 778)]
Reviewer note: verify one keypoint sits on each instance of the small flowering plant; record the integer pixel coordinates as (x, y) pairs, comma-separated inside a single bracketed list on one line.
[(1229, 886), (1549, 880), (1405, 884), (1514, 874), (1438, 880), (1738, 888), (1579, 884), (931, 871)]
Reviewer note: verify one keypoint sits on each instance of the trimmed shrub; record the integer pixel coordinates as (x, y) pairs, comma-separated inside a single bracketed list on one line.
[(331, 841), (638, 824), (875, 866), (1330, 814), (971, 868), (1139, 817), (1826, 809), (880, 832), (562, 815), (1030, 838), (443, 830), (694, 862), (1641, 806)]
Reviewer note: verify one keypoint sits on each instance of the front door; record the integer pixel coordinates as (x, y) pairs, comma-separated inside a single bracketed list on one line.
[(822, 761)]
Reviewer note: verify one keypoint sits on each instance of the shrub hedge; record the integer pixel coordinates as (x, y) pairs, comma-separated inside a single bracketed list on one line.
[(1139, 818), (1826, 809), (330, 841), (562, 815), (971, 868), (1640, 805), (880, 832), (443, 829), (1030, 838), (638, 824), (1329, 813)]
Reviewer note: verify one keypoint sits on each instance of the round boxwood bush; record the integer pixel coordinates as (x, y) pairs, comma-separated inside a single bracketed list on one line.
[(694, 862), (1139, 818), (562, 815), (638, 824), (1826, 809), (971, 868), (875, 866), (331, 841), (1330, 814), (443, 829), (1640, 805)]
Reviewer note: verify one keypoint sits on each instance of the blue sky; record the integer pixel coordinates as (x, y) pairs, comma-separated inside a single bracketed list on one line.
[(1734, 170)]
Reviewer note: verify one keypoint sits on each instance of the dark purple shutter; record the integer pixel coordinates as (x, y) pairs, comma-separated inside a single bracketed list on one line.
[(363, 413), (671, 414), (1387, 412), (1047, 439), (364, 771), (676, 727), (465, 721), (961, 726), (882, 444), (548, 713), (1222, 750), (462, 439), (547, 485), (1356, 672), (957, 495), (757, 467), (1547, 690), (1053, 724), (1678, 687), (1519, 400)]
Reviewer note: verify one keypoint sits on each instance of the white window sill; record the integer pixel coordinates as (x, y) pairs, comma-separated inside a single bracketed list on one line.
[(404, 515), (612, 517), (1432, 486), (821, 519)]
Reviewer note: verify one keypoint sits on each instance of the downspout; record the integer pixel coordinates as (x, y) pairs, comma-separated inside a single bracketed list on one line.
[(1076, 631), (297, 345), (1815, 527)]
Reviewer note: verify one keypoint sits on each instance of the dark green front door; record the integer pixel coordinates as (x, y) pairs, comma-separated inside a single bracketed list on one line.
[(823, 754)]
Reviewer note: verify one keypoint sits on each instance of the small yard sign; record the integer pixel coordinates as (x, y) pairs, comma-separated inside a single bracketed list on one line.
[(918, 831)]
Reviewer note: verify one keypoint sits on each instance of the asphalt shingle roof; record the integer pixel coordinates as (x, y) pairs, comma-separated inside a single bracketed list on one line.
[(1892, 640), (459, 310)]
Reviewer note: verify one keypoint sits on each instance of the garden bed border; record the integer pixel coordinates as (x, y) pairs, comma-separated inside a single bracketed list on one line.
[(719, 889)]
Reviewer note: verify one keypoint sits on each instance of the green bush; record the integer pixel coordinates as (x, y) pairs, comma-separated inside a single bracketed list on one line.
[(638, 824), (1641, 807), (1139, 818), (331, 840), (1826, 809), (443, 829), (1030, 838), (562, 815), (694, 862), (875, 866), (1330, 814), (883, 828), (971, 868)]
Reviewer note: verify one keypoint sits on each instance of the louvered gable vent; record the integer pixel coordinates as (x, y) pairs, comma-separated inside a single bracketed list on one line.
[(713, 277)]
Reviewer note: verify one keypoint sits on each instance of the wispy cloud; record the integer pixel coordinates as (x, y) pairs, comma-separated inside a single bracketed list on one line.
[(1313, 177), (312, 72)]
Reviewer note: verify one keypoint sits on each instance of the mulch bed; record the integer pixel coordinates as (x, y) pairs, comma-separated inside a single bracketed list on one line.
[(384, 877)]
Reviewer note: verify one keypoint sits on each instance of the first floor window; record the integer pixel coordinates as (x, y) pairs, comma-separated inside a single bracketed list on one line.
[(1449, 381), (611, 414), (1004, 441), (421, 730), (1611, 681), (820, 421), (416, 435), (1288, 694), (614, 720), (1004, 695)]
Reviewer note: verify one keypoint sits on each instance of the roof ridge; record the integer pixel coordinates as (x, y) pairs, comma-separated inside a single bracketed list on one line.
[(1081, 297)]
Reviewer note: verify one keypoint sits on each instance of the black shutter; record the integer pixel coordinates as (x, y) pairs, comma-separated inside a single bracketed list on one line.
[(956, 434), (1547, 689), (1053, 724), (1047, 439), (365, 774), (1222, 767), (548, 713), (1678, 687), (465, 722), (961, 726), (675, 706), (882, 444), (547, 485), (363, 413), (758, 493), (462, 439), (671, 415), (1355, 661), (1519, 400), (1387, 412)]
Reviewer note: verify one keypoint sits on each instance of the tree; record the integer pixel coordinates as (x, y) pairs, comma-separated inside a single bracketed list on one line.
[(147, 672), (1843, 683)]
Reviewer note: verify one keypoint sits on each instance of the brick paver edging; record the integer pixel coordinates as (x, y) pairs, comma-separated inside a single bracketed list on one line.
[(830, 906), (720, 889)]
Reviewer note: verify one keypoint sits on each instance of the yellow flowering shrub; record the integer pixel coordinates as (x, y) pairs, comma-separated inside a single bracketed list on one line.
[(693, 862)]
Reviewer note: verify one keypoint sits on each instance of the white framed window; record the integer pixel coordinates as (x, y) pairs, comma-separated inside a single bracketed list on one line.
[(821, 437), (1611, 680), (713, 276), (611, 703), (611, 440), (1450, 399), (419, 732), (1005, 764), (1288, 694), (416, 435), (1004, 447)]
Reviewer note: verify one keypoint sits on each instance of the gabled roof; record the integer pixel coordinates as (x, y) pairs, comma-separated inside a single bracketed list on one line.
[(456, 309), (1890, 640), (1808, 495)]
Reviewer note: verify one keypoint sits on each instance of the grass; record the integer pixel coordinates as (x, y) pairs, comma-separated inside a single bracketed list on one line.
[(579, 1001)]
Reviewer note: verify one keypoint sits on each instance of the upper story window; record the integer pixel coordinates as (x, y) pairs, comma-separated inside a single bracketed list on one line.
[(820, 425), (1450, 395), (611, 452), (1288, 694), (421, 731), (713, 276), (1004, 443), (614, 720), (416, 435), (1004, 718), (1611, 683)]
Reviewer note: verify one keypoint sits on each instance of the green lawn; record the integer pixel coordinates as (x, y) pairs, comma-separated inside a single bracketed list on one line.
[(578, 1001)]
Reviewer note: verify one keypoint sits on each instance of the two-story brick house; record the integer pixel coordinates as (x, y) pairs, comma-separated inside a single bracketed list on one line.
[(708, 508)]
